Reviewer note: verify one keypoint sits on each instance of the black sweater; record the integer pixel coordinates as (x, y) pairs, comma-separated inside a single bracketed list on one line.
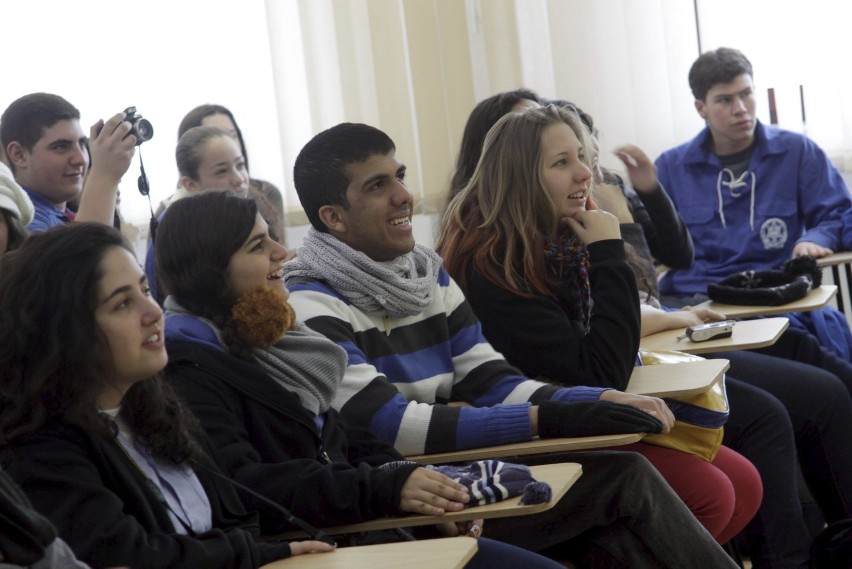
[(666, 234), (536, 335)]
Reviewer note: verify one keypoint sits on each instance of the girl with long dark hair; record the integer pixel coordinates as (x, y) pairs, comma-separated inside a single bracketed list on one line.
[(96, 439)]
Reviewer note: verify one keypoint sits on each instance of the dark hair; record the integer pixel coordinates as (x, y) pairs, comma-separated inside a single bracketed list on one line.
[(195, 242), (585, 117), (201, 112), (719, 66), (25, 120), (320, 169), (188, 150), (17, 230), (483, 116), (54, 356)]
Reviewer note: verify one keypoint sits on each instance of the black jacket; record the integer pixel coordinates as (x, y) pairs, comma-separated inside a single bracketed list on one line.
[(267, 441), (102, 506), (536, 335), (666, 235), (24, 533)]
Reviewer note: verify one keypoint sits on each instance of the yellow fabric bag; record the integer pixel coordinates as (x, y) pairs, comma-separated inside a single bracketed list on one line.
[(699, 419)]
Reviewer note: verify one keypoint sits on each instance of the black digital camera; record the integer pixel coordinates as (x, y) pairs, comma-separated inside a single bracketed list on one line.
[(141, 128)]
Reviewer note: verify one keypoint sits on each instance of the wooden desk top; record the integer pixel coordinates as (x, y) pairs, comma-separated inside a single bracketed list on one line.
[(535, 446), (836, 259), (814, 300), (445, 553), (747, 335), (560, 476), (672, 380)]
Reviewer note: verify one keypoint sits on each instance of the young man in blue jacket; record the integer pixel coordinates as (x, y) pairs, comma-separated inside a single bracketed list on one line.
[(752, 195)]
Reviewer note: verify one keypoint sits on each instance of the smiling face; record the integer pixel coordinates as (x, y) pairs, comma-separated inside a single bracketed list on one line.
[(729, 109), (378, 219), (222, 167), (258, 263), (56, 165), (563, 172), (132, 323)]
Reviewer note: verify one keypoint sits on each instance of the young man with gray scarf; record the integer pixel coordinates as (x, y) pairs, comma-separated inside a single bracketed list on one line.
[(413, 344)]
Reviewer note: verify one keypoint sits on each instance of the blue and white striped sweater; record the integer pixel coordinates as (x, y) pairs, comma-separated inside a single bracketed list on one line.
[(402, 370)]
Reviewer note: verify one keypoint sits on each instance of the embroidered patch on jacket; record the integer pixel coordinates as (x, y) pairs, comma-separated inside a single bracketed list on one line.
[(773, 233)]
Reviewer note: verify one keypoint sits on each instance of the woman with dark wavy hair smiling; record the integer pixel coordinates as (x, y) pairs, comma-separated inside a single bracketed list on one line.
[(261, 383), (96, 439)]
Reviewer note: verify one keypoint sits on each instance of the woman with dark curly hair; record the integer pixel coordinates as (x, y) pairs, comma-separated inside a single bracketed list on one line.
[(98, 442)]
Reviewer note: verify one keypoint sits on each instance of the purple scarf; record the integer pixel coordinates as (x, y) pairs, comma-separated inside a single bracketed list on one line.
[(568, 263)]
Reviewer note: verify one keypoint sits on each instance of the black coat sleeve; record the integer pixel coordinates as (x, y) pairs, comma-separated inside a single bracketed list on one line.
[(665, 231), (362, 444), (282, 458), (536, 335), (25, 534), (107, 515)]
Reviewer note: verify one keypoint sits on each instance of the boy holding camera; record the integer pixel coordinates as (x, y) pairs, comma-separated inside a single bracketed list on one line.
[(50, 157)]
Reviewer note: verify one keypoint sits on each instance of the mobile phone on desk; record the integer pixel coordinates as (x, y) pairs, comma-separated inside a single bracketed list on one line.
[(712, 331)]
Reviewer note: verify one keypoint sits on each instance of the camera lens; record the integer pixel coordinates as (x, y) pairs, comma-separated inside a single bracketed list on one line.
[(144, 129)]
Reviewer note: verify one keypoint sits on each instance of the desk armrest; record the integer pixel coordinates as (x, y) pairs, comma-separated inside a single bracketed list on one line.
[(535, 446), (560, 476)]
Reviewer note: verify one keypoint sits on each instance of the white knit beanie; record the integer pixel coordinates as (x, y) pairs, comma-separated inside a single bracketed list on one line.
[(13, 197)]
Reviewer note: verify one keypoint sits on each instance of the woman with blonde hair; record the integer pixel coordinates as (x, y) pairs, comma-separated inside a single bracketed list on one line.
[(531, 250)]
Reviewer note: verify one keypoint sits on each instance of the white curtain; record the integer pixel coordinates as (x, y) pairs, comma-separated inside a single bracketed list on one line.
[(791, 44), (624, 62), (415, 68), (402, 66)]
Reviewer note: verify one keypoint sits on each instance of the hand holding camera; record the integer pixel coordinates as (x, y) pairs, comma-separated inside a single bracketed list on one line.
[(141, 128), (112, 144)]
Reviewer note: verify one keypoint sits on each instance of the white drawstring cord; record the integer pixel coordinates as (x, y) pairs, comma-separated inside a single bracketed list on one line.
[(734, 184)]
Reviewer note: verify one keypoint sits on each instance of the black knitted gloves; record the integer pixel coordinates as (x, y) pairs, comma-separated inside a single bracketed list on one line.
[(587, 418)]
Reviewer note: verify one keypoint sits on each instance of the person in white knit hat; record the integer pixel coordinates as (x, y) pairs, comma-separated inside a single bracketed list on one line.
[(16, 211)]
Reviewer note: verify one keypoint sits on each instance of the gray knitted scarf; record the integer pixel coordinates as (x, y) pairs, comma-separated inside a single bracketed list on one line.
[(402, 287), (303, 362)]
